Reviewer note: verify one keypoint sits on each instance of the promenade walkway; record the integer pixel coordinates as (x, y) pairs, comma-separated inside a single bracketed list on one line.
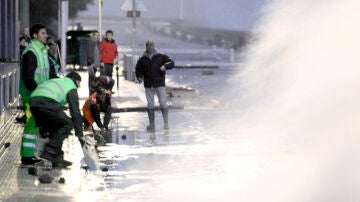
[(17, 184)]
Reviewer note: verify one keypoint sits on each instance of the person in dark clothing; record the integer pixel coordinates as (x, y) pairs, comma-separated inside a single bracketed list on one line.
[(109, 54), (26, 34), (98, 81), (22, 44), (47, 105), (99, 101), (151, 68), (93, 50), (53, 57)]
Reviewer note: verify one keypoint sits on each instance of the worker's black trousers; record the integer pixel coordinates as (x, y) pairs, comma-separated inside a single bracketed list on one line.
[(50, 116)]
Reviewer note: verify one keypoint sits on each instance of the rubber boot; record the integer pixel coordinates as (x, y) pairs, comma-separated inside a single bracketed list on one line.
[(151, 115), (164, 112), (107, 117)]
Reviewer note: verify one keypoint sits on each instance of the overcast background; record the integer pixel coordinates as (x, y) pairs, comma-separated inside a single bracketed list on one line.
[(226, 14)]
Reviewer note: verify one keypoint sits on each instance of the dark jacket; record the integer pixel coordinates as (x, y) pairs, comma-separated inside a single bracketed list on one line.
[(73, 100), (149, 69), (100, 81), (29, 60), (22, 48), (90, 52)]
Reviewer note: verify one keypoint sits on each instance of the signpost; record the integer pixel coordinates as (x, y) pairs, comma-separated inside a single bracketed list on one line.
[(100, 5), (64, 25), (133, 8)]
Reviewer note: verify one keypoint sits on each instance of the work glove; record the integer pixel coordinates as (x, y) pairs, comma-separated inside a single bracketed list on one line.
[(163, 68)]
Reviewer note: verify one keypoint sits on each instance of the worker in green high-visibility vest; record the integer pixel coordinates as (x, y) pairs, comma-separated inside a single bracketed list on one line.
[(47, 106), (34, 71)]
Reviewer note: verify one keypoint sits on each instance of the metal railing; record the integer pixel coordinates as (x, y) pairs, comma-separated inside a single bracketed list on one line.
[(9, 85)]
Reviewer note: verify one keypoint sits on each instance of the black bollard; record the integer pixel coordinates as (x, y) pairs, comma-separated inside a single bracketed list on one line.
[(7, 144), (32, 171), (61, 180), (117, 77), (105, 169)]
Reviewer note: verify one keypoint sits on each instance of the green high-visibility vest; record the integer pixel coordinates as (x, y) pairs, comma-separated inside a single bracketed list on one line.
[(55, 89), (42, 70)]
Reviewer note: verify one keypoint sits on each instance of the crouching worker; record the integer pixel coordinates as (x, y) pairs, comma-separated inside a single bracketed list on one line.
[(99, 81), (99, 101), (47, 106)]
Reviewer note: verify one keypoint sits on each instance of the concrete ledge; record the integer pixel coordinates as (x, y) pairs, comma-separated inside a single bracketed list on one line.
[(143, 109), (197, 67)]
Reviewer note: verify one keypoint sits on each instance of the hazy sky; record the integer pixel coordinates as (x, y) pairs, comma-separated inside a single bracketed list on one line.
[(227, 14)]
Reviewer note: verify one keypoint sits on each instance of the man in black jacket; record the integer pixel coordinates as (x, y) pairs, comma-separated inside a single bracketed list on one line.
[(151, 68)]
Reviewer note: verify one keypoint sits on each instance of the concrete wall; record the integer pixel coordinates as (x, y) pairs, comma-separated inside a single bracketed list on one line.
[(9, 30), (9, 57)]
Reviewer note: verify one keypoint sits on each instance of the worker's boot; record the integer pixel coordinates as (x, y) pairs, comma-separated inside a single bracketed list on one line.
[(151, 115), (30, 160), (50, 153), (62, 163), (107, 117), (164, 112)]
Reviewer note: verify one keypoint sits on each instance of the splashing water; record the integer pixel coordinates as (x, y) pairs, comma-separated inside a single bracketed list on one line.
[(301, 90)]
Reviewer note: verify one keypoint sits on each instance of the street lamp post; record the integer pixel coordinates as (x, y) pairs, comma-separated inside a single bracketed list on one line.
[(181, 9), (133, 8), (59, 18), (100, 5), (134, 31), (64, 25)]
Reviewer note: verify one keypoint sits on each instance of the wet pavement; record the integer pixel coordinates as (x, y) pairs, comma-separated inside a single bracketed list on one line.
[(142, 165), (136, 165)]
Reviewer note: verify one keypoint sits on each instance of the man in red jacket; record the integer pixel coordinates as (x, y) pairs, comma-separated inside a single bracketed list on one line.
[(108, 49)]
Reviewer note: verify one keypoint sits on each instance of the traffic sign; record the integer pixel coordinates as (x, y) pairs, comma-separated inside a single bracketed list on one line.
[(128, 5), (129, 14)]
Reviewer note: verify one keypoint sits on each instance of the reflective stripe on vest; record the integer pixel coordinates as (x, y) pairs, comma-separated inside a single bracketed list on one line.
[(55, 89), (29, 145), (43, 67), (30, 136)]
